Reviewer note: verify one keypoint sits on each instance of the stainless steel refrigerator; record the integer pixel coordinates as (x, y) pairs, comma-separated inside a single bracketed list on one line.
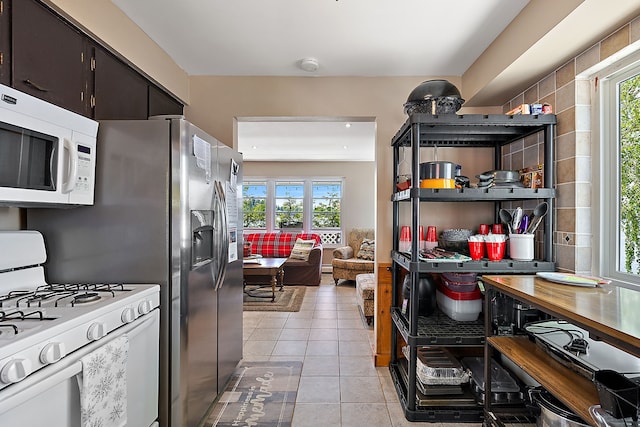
[(167, 210)]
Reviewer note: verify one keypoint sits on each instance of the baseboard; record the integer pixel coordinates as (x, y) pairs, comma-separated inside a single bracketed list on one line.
[(327, 268)]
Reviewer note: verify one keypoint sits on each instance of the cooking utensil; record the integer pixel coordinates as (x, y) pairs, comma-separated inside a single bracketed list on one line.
[(517, 218), (438, 170), (505, 216), (538, 213), (499, 176), (554, 413), (524, 224), (434, 97)]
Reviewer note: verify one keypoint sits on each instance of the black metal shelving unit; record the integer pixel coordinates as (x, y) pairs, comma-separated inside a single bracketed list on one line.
[(452, 130)]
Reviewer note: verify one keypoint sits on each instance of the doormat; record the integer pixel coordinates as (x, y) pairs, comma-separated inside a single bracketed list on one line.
[(261, 394), (290, 299)]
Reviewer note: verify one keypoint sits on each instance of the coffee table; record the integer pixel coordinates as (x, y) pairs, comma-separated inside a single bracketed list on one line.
[(264, 267)]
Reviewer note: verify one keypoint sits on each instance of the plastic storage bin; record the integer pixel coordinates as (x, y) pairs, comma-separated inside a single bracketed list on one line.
[(460, 306), (460, 282)]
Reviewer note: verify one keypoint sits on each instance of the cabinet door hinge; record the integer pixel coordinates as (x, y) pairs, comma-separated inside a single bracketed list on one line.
[(93, 101), (1, 58), (1, 7), (93, 64), (81, 95)]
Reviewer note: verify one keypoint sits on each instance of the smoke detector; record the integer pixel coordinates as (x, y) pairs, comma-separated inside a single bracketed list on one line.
[(309, 64)]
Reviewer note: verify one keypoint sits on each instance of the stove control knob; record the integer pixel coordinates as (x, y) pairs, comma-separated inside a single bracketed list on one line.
[(96, 331), (16, 370), (52, 352), (128, 315), (145, 307)]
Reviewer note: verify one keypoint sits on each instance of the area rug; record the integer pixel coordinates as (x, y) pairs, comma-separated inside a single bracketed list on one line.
[(290, 299), (259, 394)]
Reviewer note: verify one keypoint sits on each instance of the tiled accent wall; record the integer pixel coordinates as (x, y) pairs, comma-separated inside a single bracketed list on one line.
[(570, 98)]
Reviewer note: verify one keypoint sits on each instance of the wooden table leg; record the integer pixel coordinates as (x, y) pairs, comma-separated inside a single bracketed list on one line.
[(274, 282), (281, 274)]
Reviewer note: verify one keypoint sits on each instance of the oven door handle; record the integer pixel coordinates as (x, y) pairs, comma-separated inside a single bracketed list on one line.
[(67, 367)]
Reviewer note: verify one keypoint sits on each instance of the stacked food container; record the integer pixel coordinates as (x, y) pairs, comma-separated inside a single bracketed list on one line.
[(438, 371), (459, 297)]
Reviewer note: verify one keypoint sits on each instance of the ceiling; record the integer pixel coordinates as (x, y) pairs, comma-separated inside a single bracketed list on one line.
[(304, 139), (347, 37)]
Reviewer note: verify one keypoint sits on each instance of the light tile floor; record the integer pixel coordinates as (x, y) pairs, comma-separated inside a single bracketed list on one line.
[(339, 386)]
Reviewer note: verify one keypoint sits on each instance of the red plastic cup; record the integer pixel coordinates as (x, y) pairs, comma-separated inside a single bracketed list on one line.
[(405, 233), (431, 234), (495, 250), (476, 250), (420, 233), (497, 229), (483, 229)]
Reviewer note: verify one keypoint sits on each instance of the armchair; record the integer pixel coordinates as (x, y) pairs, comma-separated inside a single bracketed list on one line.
[(347, 263)]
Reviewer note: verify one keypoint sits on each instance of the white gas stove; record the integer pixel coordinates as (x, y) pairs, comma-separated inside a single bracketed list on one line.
[(42, 325)]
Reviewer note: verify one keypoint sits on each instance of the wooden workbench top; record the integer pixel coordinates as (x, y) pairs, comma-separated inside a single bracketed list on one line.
[(609, 312)]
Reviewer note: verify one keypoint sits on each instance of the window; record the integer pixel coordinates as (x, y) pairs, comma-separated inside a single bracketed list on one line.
[(620, 163), (289, 204), (311, 205), (254, 204), (326, 199)]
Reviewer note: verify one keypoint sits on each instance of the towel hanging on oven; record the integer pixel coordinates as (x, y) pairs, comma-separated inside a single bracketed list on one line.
[(103, 385)]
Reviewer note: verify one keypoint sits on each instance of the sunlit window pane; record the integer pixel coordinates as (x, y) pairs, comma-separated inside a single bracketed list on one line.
[(326, 204), (254, 205), (289, 205), (629, 175)]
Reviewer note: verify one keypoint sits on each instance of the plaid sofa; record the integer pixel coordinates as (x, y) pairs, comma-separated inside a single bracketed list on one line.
[(279, 245)]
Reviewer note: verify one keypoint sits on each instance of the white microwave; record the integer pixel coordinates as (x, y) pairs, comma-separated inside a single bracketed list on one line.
[(47, 153)]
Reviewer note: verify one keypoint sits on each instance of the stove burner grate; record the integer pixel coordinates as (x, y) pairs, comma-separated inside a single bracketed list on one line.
[(11, 326), (13, 295), (61, 294), (17, 316), (85, 298)]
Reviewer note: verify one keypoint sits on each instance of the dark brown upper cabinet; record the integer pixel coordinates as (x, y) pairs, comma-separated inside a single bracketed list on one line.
[(120, 92), (49, 57), (44, 55), (160, 103), (5, 43)]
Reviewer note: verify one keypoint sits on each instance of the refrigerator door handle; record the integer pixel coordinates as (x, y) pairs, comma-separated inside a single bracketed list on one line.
[(225, 233), (216, 239)]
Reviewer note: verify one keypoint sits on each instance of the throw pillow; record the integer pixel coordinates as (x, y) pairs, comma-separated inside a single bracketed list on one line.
[(367, 249), (302, 249)]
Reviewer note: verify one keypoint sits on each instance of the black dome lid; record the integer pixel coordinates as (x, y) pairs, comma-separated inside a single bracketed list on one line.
[(433, 89)]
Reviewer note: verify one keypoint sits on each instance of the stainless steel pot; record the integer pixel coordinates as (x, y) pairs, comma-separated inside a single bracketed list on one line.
[(499, 176), (554, 413), (438, 170)]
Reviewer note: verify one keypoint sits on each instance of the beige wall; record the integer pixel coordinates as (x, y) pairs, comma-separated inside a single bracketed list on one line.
[(10, 219)]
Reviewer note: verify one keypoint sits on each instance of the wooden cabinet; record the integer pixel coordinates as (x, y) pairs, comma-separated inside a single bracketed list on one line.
[(5, 44), (608, 313), (161, 103), (119, 92), (49, 58), (46, 56)]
